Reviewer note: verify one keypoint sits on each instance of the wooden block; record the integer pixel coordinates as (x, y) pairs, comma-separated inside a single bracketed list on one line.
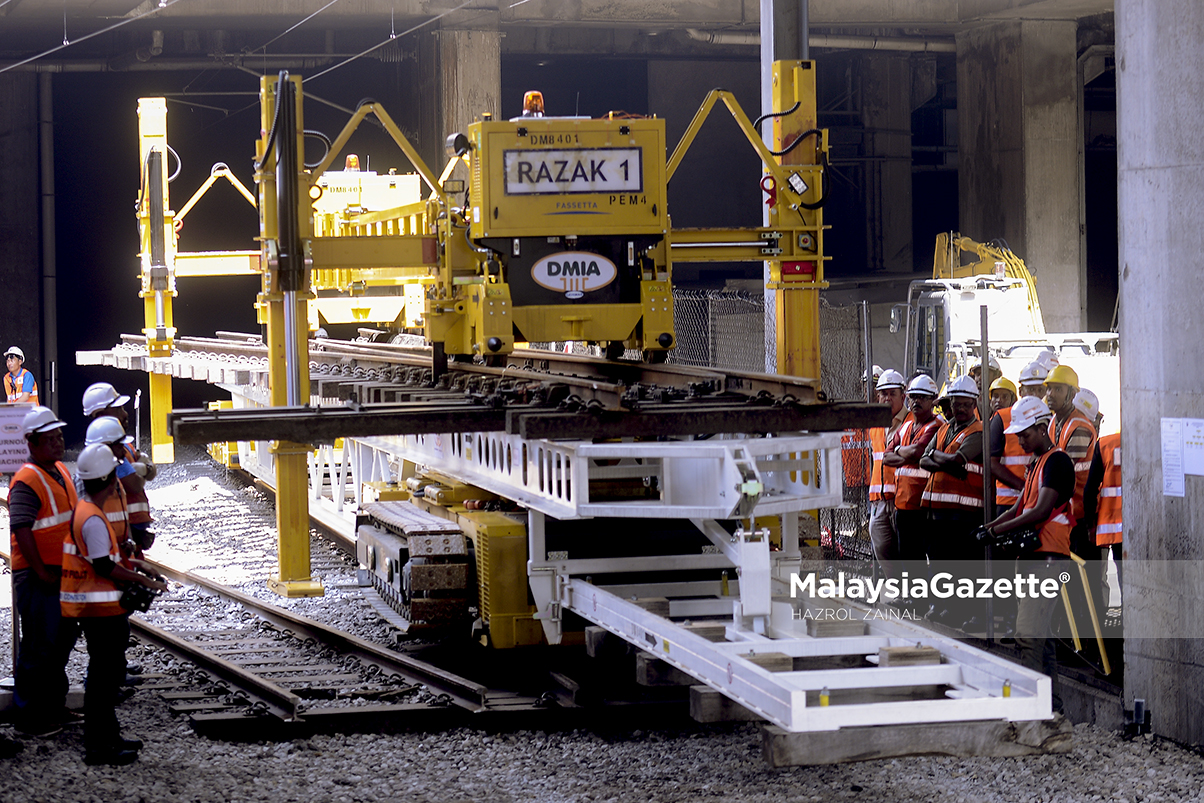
[(651, 671), (772, 661), (711, 631), (435, 576), (601, 643), (835, 628), (655, 605), (994, 738), (708, 705), (908, 656)]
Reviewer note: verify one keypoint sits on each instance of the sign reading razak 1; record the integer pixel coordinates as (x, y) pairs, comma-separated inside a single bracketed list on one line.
[(568, 176)]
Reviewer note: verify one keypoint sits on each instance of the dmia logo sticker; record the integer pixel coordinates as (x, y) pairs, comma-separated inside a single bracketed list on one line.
[(10, 428), (574, 273)]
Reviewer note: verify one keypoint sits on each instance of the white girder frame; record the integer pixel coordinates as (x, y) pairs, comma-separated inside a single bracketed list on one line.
[(790, 699)]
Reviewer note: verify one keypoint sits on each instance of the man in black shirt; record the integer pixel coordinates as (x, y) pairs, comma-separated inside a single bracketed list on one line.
[(1048, 488)]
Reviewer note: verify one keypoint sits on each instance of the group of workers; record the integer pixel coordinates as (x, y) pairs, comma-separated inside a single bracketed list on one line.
[(76, 546), (1051, 471)]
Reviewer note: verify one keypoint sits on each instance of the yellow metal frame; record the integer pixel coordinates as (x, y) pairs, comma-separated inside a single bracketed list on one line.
[(794, 233), (291, 459), (160, 340)]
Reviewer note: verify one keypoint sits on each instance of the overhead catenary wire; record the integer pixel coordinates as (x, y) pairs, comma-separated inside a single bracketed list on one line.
[(66, 44), (391, 37), (292, 28)]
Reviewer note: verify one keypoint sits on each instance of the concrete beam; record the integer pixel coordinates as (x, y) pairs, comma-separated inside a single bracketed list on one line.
[(1160, 164)]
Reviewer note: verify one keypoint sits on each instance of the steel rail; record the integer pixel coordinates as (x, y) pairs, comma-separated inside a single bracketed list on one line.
[(463, 692), (280, 702)]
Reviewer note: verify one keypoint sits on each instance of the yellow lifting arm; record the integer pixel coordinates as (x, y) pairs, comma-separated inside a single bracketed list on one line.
[(362, 112), (947, 264), (219, 170)]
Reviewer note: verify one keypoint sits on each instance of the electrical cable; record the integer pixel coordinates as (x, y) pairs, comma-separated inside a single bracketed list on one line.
[(179, 164), (325, 140), (84, 38)]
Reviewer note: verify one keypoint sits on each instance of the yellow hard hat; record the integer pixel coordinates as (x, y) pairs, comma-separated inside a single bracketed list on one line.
[(1063, 375), (1003, 383)]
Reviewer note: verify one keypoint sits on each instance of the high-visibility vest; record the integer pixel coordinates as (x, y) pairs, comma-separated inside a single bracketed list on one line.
[(1055, 533), (12, 387), (882, 478), (54, 515), (910, 479), (1108, 527), (855, 457), (1014, 460), (1082, 466), (83, 592), (116, 510), (947, 491), (139, 505)]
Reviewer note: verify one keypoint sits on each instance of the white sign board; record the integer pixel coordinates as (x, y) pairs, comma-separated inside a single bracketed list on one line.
[(14, 450), (570, 171)]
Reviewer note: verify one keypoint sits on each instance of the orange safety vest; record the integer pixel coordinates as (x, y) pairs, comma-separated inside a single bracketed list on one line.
[(12, 389), (1054, 533), (854, 457), (139, 505), (83, 592), (1081, 467), (882, 478), (116, 510), (1108, 523), (947, 491), (54, 516), (910, 480), (1014, 460)]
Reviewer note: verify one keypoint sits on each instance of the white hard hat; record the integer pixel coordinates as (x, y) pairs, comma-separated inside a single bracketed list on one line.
[(102, 395), (1048, 360), (963, 386), (14, 351), (40, 419), (922, 385), (877, 373), (1033, 374), (107, 430), (1027, 412), (95, 461), (891, 379), (1087, 403)]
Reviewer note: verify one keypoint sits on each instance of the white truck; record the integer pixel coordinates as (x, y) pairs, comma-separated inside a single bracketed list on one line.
[(942, 323)]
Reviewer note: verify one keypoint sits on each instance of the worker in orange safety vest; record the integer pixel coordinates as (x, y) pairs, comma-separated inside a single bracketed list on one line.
[(1008, 459), (90, 598), (883, 536), (19, 384)]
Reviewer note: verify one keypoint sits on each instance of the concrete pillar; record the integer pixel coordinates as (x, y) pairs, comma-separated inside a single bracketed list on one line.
[(886, 115), (1160, 162), (470, 77), (20, 220), (1018, 154)]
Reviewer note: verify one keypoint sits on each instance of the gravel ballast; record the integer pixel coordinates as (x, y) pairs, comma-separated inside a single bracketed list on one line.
[(227, 528)]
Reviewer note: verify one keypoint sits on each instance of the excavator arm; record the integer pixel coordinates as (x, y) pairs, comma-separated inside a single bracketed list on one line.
[(947, 263)]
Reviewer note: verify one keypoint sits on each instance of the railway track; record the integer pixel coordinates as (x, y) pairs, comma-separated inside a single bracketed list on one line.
[(257, 671)]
